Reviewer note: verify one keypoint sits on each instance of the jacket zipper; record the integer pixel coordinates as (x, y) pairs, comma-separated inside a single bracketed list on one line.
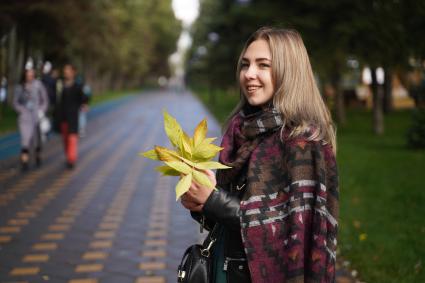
[(227, 259)]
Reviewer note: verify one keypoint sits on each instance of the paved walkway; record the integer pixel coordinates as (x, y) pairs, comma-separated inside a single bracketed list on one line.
[(112, 218)]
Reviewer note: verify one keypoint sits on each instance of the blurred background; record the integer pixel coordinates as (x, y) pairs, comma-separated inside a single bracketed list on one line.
[(369, 61)]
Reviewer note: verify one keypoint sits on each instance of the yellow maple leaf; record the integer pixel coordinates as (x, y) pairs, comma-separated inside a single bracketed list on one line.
[(202, 179), (172, 129), (167, 171), (189, 156), (200, 132), (183, 185), (179, 166)]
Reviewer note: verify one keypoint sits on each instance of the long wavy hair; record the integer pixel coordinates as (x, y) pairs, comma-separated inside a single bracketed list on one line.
[(296, 96)]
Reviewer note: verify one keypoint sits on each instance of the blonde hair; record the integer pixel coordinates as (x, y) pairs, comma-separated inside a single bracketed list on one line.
[(296, 96)]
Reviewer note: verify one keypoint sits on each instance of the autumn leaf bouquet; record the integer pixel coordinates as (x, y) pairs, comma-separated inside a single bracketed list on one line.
[(189, 157)]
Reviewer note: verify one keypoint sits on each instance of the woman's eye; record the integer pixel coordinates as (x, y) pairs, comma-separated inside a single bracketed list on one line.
[(264, 65), (244, 65)]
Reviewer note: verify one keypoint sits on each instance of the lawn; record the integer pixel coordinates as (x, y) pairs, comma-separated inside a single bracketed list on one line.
[(382, 195), (8, 116)]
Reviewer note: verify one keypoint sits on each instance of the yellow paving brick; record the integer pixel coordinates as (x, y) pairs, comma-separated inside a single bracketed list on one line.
[(36, 258), (45, 246), (71, 213), (158, 225), (53, 236), (154, 253), (18, 222), (108, 225), (109, 218), (95, 255), (59, 227), (65, 220), (150, 279), (22, 271), (100, 244), (5, 239), (10, 229), (89, 267), (86, 280), (154, 265), (34, 208), (158, 218), (151, 243), (104, 234), (26, 214), (156, 233)]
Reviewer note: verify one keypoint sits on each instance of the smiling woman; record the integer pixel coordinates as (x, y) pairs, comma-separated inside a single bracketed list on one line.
[(276, 209)]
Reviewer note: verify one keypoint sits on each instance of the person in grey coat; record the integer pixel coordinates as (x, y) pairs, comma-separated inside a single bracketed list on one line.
[(31, 102)]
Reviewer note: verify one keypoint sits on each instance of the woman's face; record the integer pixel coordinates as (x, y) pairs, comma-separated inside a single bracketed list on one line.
[(255, 77), (29, 75)]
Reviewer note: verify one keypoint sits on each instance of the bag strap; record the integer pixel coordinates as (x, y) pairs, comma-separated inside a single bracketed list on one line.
[(209, 241)]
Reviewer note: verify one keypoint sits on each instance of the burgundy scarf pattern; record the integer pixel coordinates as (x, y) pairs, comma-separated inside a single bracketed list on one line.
[(289, 210)]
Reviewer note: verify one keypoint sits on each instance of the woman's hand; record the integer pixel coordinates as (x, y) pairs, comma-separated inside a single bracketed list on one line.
[(195, 198)]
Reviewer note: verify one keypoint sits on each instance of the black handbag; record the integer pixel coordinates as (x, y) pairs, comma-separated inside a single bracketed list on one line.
[(195, 266)]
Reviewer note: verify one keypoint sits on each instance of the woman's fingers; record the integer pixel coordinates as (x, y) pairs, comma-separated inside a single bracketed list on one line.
[(189, 204)]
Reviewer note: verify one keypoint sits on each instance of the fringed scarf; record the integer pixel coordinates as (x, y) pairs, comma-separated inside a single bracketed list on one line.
[(289, 210)]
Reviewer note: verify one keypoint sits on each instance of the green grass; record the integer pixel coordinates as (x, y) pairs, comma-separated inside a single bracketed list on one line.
[(8, 118), (382, 195)]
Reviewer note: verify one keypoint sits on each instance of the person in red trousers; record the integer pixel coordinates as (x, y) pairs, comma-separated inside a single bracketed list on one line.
[(72, 100)]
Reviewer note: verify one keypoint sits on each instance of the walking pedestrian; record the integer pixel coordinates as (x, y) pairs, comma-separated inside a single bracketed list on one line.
[(31, 103), (72, 100), (277, 207)]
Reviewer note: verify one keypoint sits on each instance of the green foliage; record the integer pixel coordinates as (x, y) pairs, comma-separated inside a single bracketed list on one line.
[(377, 33), (416, 133), (381, 196), (124, 41)]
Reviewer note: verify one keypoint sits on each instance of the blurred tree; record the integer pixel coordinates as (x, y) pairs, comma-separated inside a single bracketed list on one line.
[(115, 43), (375, 33)]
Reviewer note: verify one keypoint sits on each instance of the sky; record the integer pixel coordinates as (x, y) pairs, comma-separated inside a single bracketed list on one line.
[(186, 11)]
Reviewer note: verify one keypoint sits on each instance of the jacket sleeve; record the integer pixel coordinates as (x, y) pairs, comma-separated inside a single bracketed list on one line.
[(44, 102), (223, 208), (206, 223), (16, 103)]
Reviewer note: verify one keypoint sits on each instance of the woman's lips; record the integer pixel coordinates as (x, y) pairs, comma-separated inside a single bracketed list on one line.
[(252, 89)]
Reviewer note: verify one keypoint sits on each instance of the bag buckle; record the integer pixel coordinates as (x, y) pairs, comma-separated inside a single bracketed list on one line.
[(206, 252), (181, 275)]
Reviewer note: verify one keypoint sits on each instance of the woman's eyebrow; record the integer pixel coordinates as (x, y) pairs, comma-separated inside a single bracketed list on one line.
[(257, 59), (262, 59)]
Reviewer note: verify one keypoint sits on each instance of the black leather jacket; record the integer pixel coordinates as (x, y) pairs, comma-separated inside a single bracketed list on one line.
[(223, 207)]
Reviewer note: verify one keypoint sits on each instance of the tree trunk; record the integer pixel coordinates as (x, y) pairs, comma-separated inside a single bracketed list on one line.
[(339, 99), (388, 91), (378, 97)]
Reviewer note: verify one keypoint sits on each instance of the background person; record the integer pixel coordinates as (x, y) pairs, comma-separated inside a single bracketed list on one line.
[(31, 102), (72, 100)]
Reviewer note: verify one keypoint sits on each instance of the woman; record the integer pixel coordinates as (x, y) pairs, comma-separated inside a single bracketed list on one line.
[(277, 208), (31, 102)]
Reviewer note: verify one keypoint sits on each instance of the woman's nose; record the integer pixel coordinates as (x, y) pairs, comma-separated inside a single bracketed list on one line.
[(251, 72)]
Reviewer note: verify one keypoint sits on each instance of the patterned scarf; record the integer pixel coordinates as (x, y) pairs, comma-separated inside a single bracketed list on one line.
[(289, 210), (243, 135)]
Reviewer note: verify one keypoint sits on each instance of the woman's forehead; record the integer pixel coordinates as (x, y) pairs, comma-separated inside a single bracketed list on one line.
[(258, 49)]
